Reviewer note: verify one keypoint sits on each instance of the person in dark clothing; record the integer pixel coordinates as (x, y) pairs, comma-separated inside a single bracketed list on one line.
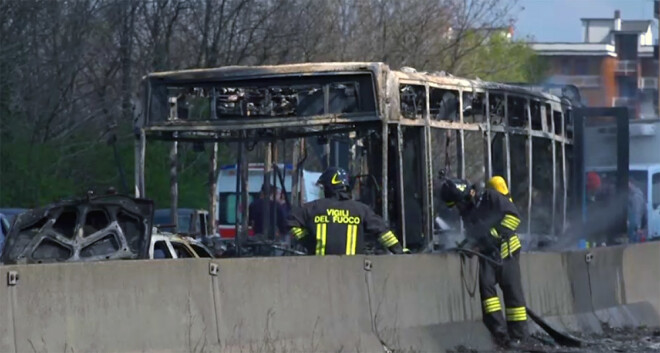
[(491, 220), (261, 211), (636, 212), (336, 224)]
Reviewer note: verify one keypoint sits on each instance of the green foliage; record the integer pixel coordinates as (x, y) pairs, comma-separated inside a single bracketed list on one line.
[(69, 74), (500, 59), (192, 175), (34, 175)]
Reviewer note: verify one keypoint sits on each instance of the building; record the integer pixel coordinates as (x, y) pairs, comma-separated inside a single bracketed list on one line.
[(485, 32), (614, 65)]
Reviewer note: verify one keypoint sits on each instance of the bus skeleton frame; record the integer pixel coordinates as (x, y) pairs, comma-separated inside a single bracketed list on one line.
[(520, 113)]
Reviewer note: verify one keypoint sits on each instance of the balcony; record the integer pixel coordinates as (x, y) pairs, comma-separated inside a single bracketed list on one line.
[(582, 81), (628, 102), (648, 83), (626, 66)]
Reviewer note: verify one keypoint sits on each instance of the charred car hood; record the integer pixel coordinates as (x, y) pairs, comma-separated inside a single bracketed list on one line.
[(90, 229)]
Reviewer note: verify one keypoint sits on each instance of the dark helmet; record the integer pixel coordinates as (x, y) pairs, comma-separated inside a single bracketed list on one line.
[(333, 180), (455, 191)]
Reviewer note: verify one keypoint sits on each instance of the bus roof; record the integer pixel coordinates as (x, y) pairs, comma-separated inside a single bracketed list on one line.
[(238, 72), (228, 73), (441, 78)]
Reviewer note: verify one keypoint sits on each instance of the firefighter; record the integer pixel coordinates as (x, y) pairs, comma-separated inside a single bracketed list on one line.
[(491, 220), (336, 224)]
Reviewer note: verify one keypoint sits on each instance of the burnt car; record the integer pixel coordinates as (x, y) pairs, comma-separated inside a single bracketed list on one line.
[(93, 228)]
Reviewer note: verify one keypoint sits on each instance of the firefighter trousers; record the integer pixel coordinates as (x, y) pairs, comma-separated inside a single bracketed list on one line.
[(508, 277)]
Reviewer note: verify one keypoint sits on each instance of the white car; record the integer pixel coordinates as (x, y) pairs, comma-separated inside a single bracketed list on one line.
[(171, 246)]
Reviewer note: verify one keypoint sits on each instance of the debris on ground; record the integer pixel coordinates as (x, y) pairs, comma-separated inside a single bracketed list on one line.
[(611, 340), (626, 339)]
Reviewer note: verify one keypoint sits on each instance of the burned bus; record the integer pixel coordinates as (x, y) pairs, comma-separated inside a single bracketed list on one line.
[(393, 130)]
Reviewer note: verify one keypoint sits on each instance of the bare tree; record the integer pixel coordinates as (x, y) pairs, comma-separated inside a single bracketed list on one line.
[(70, 70)]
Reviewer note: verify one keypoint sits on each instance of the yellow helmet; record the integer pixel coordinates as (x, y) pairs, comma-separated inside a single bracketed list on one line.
[(498, 183)]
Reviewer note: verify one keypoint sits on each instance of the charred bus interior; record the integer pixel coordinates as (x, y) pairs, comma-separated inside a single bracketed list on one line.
[(392, 131), (311, 122)]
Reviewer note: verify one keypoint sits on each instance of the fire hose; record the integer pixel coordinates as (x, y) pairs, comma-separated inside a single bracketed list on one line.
[(561, 338)]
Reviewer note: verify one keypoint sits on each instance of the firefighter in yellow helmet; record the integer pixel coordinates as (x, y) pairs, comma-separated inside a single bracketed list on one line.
[(491, 220)]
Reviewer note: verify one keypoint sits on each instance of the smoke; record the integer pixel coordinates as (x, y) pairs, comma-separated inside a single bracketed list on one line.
[(602, 226), (603, 220)]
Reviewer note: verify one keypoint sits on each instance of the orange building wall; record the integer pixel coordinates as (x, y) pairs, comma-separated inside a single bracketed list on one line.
[(608, 79), (604, 67), (595, 97)]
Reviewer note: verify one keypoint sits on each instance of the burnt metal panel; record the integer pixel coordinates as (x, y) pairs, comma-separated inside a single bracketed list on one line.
[(384, 168), (507, 140), (554, 177), (579, 172), (213, 189), (89, 229), (530, 166), (401, 199), (174, 185), (621, 114), (461, 136), (427, 192), (489, 152), (140, 152), (564, 173), (242, 72), (284, 99), (228, 125)]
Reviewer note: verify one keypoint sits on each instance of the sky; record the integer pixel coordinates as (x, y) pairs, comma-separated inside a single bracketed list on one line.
[(559, 20)]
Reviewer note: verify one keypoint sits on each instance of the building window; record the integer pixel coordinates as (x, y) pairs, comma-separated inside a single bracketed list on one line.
[(565, 66), (581, 66)]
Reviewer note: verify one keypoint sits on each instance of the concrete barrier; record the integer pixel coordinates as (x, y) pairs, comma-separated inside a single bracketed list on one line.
[(596, 288), (547, 286), (304, 304), (7, 305), (301, 304), (641, 266), (417, 300), (597, 278), (123, 306)]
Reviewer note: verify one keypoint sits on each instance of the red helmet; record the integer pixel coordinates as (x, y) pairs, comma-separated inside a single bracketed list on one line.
[(593, 181)]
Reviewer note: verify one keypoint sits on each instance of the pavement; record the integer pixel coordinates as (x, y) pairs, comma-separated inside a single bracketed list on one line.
[(612, 340)]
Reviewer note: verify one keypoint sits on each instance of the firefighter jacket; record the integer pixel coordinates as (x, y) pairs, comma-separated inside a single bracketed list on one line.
[(337, 226), (491, 224)]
